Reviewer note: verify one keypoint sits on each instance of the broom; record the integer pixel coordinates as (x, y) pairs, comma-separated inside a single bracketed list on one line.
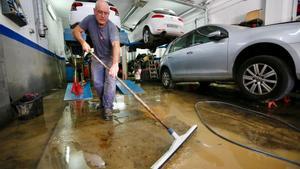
[(76, 87)]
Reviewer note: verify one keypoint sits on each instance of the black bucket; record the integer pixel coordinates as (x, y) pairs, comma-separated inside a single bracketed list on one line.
[(29, 107)]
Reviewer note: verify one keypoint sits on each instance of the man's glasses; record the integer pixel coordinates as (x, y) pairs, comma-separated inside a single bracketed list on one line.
[(102, 13)]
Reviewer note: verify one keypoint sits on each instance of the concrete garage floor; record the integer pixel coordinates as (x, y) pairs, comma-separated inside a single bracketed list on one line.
[(72, 134)]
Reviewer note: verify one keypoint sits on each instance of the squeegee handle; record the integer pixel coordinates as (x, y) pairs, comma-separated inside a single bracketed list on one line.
[(135, 95)]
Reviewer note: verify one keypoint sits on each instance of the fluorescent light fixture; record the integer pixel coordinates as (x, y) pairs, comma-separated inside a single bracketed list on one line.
[(51, 12)]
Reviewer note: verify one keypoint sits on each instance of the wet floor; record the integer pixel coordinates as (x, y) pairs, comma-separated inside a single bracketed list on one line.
[(22, 143), (72, 135)]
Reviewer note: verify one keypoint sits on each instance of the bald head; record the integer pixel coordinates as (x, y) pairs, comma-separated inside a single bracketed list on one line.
[(101, 3), (101, 12)]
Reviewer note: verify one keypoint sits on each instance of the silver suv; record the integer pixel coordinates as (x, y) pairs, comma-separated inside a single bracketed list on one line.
[(264, 61)]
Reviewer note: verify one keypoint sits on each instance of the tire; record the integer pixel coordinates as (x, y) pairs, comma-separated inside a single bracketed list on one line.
[(265, 77), (204, 84), (152, 50), (166, 79), (131, 49), (147, 37)]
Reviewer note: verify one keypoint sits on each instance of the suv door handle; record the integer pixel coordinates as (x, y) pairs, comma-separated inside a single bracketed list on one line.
[(190, 52)]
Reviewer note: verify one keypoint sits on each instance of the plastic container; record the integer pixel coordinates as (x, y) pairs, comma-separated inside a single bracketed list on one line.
[(29, 107)]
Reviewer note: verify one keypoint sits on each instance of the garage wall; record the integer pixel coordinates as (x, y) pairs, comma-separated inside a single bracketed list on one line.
[(29, 63), (231, 11), (54, 34), (278, 11), (27, 6), (4, 101), (234, 12), (194, 20)]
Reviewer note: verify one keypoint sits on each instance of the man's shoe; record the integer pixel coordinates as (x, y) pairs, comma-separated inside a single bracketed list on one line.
[(108, 115)]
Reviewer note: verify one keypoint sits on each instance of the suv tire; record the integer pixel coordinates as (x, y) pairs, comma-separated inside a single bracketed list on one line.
[(166, 79), (265, 77), (147, 37)]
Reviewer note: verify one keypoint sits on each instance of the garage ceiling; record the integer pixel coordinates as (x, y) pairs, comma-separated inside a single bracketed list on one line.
[(132, 10)]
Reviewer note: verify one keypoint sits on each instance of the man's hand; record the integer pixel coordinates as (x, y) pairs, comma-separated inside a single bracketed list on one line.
[(113, 71), (85, 46), (77, 33)]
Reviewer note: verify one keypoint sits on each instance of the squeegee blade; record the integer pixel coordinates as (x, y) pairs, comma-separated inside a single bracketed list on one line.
[(174, 147)]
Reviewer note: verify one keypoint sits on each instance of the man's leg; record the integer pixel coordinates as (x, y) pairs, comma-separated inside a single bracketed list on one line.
[(109, 93), (98, 74)]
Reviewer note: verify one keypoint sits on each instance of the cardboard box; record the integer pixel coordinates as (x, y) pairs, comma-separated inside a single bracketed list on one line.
[(256, 14)]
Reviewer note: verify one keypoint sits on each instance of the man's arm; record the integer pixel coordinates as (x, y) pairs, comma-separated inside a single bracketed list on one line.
[(77, 33), (115, 58)]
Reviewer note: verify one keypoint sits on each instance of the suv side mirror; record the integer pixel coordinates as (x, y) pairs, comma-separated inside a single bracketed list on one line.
[(130, 29), (216, 35)]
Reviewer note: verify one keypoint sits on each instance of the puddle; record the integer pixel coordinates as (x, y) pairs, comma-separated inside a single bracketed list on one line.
[(252, 130)]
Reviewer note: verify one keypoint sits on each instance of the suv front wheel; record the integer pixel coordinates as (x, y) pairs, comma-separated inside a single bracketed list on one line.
[(166, 79), (265, 77)]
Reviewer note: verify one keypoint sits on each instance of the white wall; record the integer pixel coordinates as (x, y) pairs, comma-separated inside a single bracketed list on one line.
[(194, 20), (54, 37), (55, 32), (278, 11), (231, 11), (234, 12), (27, 6)]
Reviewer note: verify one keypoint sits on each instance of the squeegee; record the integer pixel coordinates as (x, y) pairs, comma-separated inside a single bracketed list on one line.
[(178, 140)]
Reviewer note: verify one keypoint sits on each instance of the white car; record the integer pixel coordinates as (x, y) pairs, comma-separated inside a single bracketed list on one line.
[(157, 27), (82, 8)]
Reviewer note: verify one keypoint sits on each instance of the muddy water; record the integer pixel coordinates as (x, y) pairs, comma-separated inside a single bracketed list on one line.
[(22, 142), (251, 129), (134, 140)]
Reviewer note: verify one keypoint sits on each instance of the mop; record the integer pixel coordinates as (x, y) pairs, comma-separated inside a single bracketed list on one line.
[(76, 87), (178, 140), (75, 91)]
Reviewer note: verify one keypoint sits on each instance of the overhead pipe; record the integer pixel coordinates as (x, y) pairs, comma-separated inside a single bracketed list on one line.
[(130, 12), (134, 7), (40, 17)]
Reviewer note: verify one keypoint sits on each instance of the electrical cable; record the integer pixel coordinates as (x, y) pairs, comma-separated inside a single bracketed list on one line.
[(240, 144)]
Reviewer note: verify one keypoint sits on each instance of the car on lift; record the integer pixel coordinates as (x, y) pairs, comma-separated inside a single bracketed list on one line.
[(156, 28), (82, 8), (264, 61)]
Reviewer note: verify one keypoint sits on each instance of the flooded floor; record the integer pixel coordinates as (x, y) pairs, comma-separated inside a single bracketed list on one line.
[(72, 135)]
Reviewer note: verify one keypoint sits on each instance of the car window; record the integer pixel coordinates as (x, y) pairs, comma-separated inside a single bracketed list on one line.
[(181, 43), (198, 38)]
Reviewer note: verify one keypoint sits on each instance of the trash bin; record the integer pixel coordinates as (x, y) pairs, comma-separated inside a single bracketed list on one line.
[(29, 106)]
